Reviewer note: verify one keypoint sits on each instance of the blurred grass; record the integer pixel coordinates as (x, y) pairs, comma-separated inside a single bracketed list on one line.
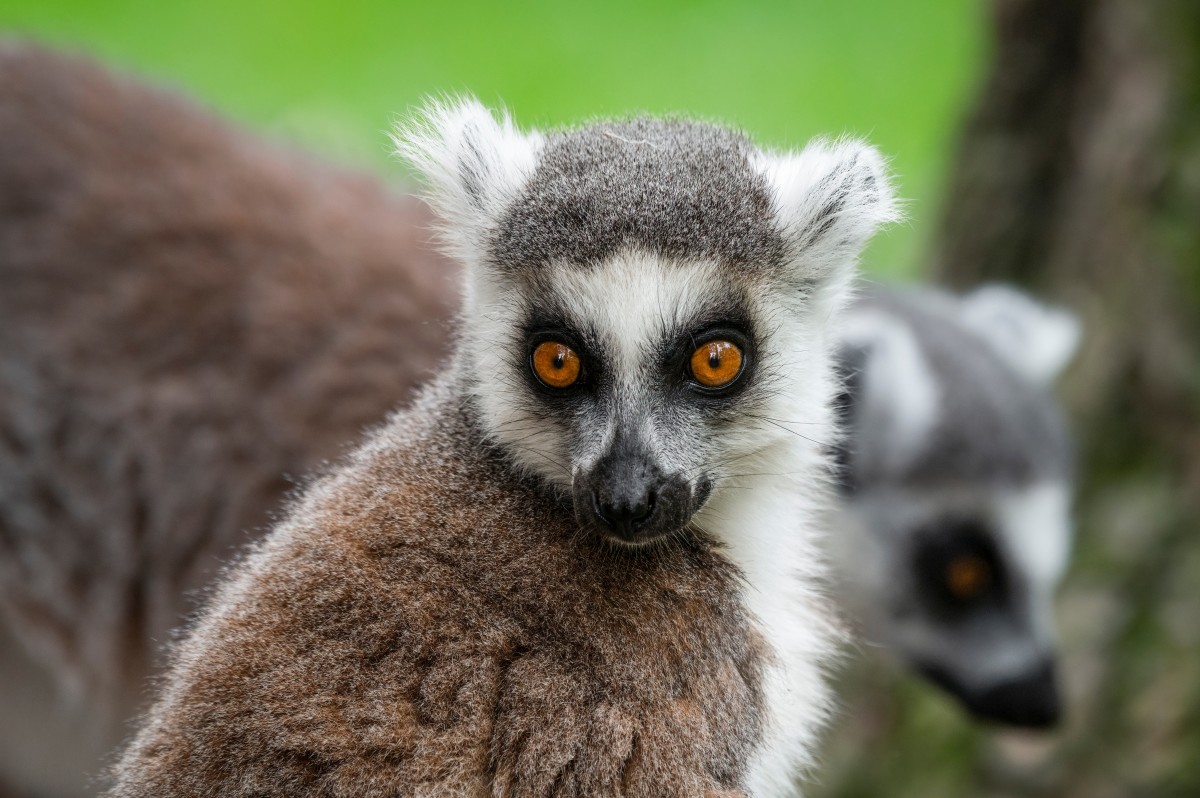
[(332, 75)]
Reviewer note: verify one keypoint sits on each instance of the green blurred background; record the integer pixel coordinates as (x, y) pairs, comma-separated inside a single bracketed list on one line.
[(332, 75)]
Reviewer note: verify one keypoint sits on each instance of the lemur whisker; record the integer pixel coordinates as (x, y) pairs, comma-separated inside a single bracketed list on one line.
[(566, 469), (721, 463), (790, 431)]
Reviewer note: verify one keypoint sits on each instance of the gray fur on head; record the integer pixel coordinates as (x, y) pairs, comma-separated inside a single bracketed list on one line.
[(669, 187), (674, 188), (984, 418)]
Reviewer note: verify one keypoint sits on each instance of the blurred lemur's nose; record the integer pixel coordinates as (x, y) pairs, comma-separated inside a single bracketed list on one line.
[(1031, 700)]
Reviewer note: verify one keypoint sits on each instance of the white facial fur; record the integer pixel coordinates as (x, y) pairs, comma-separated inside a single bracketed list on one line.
[(1038, 527), (765, 457)]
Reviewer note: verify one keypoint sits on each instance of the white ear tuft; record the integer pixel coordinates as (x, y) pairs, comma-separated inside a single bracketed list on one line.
[(830, 199), (898, 397), (473, 162), (1035, 339)]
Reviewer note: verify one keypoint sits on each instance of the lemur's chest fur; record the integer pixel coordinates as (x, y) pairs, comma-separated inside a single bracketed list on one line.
[(423, 622)]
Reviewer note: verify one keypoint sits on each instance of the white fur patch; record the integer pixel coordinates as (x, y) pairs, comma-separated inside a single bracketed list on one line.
[(1036, 523), (768, 525), (1036, 528), (830, 198), (474, 164), (770, 516), (899, 395)]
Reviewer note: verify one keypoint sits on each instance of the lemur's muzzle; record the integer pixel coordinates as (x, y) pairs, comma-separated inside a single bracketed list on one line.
[(626, 496), (1030, 700)]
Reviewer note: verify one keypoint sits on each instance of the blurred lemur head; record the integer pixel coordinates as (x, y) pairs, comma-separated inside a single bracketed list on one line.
[(643, 297), (957, 488)]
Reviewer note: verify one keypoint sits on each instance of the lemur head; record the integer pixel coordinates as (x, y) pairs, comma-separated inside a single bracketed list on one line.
[(957, 475), (642, 296)]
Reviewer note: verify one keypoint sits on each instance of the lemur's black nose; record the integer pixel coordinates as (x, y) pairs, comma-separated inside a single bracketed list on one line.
[(1031, 700), (626, 498), (624, 511)]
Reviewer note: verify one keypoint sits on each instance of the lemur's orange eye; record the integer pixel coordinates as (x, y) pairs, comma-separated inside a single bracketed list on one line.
[(556, 364), (968, 576), (716, 364)]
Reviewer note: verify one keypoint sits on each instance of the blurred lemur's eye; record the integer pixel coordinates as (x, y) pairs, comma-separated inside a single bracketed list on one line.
[(556, 365), (716, 364), (967, 577), (959, 567)]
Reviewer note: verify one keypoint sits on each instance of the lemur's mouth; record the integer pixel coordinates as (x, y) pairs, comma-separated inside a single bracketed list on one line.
[(1030, 700)]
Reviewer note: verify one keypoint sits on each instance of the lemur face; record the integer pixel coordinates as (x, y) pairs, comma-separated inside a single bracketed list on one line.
[(958, 485), (640, 296), (968, 599), (637, 385), (666, 357)]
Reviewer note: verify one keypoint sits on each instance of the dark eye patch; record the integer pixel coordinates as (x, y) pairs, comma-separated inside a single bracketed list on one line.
[(666, 362), (958, 567), (726, 321)]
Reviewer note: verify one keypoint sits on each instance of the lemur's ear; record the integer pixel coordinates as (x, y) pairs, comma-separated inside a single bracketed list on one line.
[(830, 198), (473, 162), (895, 394), (1035, 339)]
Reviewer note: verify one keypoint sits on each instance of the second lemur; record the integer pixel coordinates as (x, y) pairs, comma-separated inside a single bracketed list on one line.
[(954, 525), (573, 566)]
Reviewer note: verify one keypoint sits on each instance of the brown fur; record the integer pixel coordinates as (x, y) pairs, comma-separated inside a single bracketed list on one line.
[(403, 634), (187, 315)]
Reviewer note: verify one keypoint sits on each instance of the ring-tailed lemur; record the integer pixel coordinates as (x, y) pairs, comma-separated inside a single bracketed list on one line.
[(954, 525), (573, 567)]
